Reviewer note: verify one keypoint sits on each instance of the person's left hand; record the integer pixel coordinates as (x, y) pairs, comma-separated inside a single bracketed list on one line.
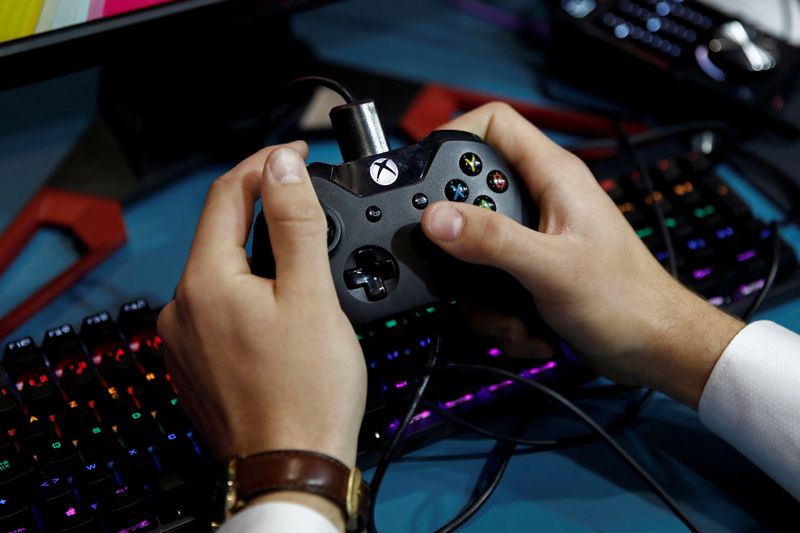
[(265, 364)]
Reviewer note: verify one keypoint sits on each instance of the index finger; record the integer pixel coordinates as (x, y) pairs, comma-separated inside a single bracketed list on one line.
[(224, 224), (539, 161)]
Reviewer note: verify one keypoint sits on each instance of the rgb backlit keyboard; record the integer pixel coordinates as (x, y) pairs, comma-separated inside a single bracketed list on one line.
[(93, 437), (722, 251)]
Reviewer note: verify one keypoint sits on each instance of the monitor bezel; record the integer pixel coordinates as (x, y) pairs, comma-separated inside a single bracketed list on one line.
[(94, 27), (64, 50)]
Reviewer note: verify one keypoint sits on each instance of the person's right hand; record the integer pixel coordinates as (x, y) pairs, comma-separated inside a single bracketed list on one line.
[(593, 280)]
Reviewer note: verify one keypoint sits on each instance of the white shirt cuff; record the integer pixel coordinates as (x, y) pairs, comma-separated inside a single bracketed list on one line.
[(752, 400), (275, 516)]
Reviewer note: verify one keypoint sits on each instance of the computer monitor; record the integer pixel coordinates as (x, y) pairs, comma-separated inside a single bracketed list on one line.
[(19, 20), (181, 82), (43, 38)]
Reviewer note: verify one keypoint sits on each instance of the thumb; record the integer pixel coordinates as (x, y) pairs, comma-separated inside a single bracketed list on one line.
[(477, 235), (296, 223)]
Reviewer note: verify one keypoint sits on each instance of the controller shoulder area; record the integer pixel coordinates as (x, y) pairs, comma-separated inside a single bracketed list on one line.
[(438, 137)]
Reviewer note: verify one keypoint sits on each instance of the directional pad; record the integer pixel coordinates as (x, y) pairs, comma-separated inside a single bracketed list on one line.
[(375, 271)]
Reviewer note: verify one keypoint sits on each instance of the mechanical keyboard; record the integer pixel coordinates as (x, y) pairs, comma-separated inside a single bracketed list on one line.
[(92, 436), (722, 251)]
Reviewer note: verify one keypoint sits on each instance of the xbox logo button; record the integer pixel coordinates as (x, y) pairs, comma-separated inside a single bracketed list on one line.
[(383, 171)]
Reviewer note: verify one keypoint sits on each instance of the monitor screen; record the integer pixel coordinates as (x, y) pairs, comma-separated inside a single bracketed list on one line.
[(23, 18), (40, 39)]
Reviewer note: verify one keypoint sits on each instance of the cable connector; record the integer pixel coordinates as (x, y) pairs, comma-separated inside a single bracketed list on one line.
[(358, 130)]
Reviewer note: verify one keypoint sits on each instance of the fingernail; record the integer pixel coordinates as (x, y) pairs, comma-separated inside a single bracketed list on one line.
[(285, 166), (445, 223)]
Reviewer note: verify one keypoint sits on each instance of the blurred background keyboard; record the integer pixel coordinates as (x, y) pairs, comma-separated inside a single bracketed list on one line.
[(722, 250)]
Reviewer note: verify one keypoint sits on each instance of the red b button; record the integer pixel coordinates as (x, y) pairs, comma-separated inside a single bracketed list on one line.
[(497, 181)]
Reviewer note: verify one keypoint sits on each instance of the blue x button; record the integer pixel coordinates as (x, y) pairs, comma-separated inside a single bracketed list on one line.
[(456, 191)]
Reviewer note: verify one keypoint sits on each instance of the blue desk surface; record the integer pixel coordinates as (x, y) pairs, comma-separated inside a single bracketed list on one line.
[(583, 488)]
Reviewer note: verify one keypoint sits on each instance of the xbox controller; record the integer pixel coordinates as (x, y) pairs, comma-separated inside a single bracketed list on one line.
[(382, 264)]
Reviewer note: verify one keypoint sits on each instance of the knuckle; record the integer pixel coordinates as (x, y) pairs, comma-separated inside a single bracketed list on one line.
[(303, 217), (221, 182), (183, 298), (166, 319), (499, 108), (190, 294), (573, 162)]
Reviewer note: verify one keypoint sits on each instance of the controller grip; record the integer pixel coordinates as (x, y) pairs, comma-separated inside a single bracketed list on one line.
[(262, 261)]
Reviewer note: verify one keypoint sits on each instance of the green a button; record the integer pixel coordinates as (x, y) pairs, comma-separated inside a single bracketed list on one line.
[(485, 202)]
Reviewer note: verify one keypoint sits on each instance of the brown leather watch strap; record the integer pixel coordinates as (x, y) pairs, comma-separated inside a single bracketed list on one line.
[(304, 471)]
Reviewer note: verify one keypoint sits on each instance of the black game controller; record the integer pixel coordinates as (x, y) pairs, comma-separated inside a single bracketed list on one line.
[(382, 264)]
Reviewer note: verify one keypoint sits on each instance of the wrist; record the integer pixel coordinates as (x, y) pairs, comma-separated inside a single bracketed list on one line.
[(689, 342), (300, 476), (343, 450)]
